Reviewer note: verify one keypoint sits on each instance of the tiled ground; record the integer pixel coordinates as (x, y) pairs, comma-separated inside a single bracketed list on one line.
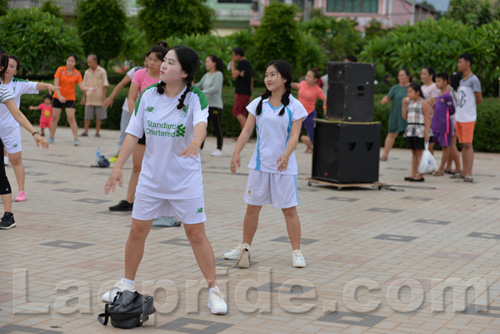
[(378, 261)]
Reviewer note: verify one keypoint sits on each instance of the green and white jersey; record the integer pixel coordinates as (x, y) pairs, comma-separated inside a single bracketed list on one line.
[(16, 87), (168, 132)]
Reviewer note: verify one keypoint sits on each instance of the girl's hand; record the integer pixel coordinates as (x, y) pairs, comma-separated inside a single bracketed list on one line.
[(282, 163), (90, 89), (191, 151), (107, 102), (31, 108), (426, 137), (405, 101), (52, 88), (39, 140), (116, 175), (235, 163)]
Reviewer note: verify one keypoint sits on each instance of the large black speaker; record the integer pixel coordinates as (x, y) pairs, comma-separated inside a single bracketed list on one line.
[(350, 91), (346, 153)]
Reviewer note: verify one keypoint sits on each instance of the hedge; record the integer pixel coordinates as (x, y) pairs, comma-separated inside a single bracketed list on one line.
[(486, 138)]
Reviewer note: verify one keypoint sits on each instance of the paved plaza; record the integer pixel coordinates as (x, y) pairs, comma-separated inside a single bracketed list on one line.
[(414, 258)]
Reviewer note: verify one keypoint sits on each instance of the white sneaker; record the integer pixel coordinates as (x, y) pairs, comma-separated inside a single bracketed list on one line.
[(5, 160), (216, 302), (298, 259), (235, 253), (120, 286), (217, 153)]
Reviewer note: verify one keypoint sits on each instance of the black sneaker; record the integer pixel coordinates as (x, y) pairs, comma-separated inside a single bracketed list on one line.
[(7, 221), (122, 206)]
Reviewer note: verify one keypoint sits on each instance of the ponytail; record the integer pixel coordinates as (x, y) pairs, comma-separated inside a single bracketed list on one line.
[(264, 96), (285, 100), (183, 96)]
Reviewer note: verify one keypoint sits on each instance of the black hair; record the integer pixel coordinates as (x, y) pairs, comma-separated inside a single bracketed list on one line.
[(316, 73), (417, 88), (4, 62), (239, 51), (47, 96), (443, 76), (163, 43), (285, 70), (74, 56), (95, 57), (17, 61), (467, 57), (455, 80), (188, 59), (352, 58), (431, 71), (407, 72), (159, 51), (219, 65)]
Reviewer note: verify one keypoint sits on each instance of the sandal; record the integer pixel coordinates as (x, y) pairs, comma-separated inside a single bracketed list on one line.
[(417, 180), (408, 178), (438, 173), (457, 176), (448, 171), (468, 178)]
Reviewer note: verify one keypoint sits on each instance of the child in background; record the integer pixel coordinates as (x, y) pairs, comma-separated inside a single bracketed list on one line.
[(442, 126), (46, 116)]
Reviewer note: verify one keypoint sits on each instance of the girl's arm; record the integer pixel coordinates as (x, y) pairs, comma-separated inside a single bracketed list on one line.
[(385, 100), (295, 85), (60, 97), (405, 107), (34, 108), (282, 161), (109, 100), (242, 140), (126, 150), (427, 119), (23, 121), (49, 87), (132, 96), (199, 134), (85, 89)]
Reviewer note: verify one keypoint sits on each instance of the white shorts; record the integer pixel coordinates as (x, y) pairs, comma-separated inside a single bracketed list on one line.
[(12, 140), (189, 211), (280, 190)]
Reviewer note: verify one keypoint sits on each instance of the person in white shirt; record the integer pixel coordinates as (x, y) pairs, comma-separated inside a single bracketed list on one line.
[(278, 117), (173, 116), (11, 133)]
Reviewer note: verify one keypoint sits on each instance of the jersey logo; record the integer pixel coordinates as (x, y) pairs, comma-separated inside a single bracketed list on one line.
[(150, 109), (181, 130), (461, 100), (200, 210), (185, 111), (14, 89), (15, 145)]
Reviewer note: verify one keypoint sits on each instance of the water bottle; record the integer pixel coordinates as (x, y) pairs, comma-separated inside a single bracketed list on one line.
[(97, 156)]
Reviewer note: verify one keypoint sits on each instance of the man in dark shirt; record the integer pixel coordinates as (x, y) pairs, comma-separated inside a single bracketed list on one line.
[(243, 73)]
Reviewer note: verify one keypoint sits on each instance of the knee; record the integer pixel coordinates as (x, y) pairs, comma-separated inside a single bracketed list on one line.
[(15, 160), (138, 232), (253, 210), (194, 236), (290, 212), (467, 146)]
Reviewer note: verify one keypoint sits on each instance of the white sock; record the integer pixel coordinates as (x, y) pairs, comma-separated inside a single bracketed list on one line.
[(212, 290), (128, 282)]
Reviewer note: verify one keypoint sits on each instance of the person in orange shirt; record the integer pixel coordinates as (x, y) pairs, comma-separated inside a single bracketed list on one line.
[(309, 92), (66, 78)]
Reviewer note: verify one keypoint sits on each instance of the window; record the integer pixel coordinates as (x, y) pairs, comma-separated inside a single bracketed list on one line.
[(352, 6), (234, 1)]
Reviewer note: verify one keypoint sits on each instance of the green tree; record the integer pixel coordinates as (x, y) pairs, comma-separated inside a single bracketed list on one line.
[(4, 7), (101, 25), (472, 12), (51, 7), (40, 40), (161, 19), (134, 46), (277, 37)]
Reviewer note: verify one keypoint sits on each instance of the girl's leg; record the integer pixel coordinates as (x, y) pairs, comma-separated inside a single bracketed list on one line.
[(444, 159), (418, 158), (137, 157), (70, 114), (134, 250), (7, 202), (455, 155), (56, 113), (414, 165), (202, 251), (389, 143), (124, 120), (6, 195), (217, 124), (17, 164), (250, 223), (293, 226)]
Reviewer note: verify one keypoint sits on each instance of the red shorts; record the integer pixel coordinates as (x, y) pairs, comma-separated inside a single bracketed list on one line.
[(45, 122), (465, 132), (240, 105)]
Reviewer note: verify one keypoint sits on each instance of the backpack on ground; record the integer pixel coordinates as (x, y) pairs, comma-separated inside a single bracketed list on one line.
[(129, 309)]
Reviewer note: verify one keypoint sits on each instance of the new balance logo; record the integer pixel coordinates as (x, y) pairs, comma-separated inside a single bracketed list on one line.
[(181, 130), (200, 210), (150, 109)]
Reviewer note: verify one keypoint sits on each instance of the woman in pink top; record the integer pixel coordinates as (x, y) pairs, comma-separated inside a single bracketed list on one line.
[(142, 79), (309, 92)]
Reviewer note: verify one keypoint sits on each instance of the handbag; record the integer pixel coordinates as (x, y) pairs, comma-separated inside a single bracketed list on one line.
[(129, 309), (427, 162)]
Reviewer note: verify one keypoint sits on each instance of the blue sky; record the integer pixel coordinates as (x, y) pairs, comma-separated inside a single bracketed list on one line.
[(441, 5)]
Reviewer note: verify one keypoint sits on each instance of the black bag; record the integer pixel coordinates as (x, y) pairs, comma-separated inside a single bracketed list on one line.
[(103, 162), (129, 309)]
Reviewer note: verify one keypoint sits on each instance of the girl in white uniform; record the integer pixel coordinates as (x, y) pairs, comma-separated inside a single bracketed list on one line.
[(173, 116), (272, 180)]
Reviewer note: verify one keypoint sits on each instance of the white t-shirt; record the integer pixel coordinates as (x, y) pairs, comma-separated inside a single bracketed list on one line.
[(16, 87), (273, 132), (430, 91), (168, 132), (466, 100), (130, 74)]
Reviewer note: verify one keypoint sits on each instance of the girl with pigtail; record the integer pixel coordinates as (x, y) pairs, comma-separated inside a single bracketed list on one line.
[(272, 180), (173, 116)]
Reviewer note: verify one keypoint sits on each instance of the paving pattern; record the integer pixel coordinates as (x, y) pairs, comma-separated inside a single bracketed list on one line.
[(414, 258)]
